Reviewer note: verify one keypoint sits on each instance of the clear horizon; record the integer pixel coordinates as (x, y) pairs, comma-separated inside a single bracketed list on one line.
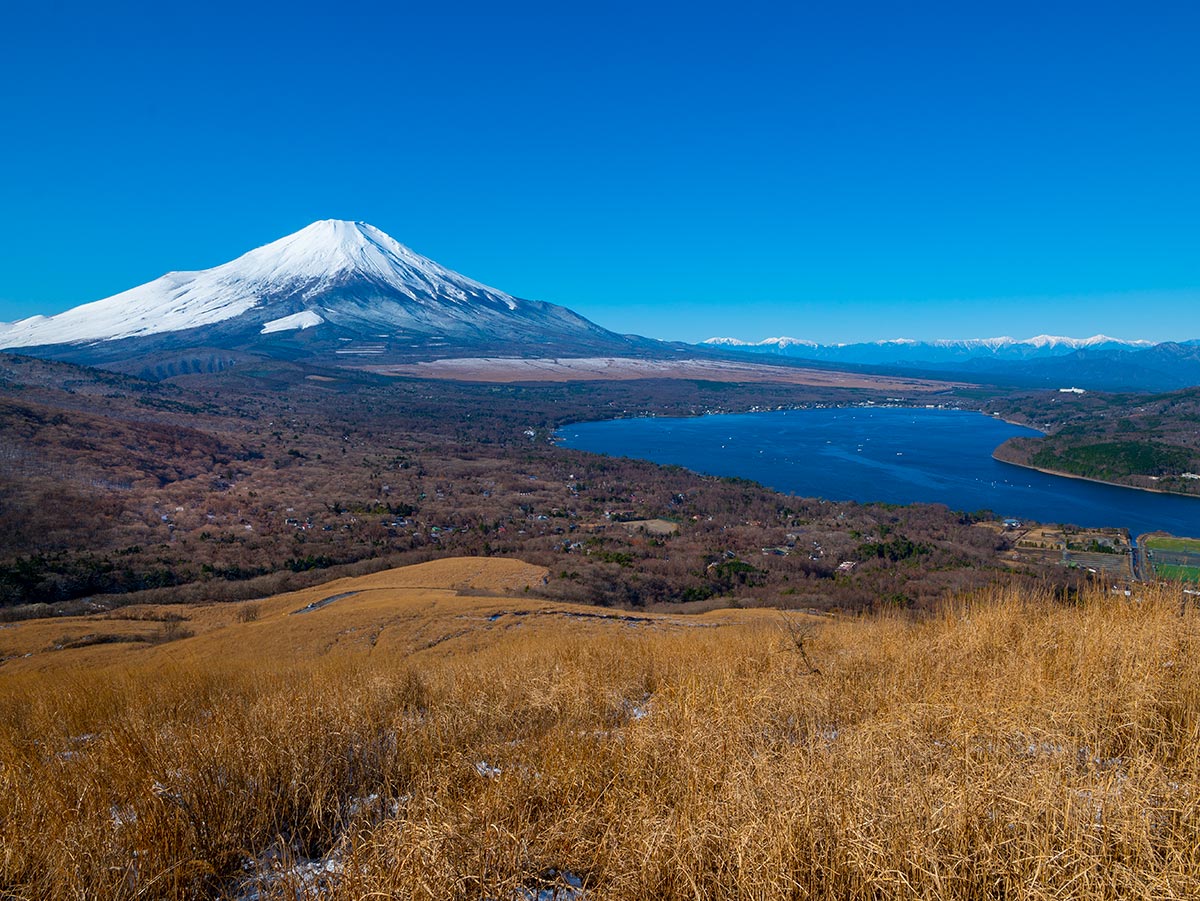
[(836, 175)]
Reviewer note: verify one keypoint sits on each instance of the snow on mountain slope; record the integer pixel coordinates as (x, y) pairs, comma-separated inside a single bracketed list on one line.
[(296, 322), (176, 301), (311, 263)]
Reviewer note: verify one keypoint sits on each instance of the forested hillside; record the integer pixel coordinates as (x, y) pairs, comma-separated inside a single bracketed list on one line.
[(238, 485)]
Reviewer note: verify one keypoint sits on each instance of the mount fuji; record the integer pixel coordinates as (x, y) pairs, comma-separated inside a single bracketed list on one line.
[(336, 290)]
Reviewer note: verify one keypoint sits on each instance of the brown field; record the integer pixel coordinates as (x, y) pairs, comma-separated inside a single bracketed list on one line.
[(435, 733), (504, 369)]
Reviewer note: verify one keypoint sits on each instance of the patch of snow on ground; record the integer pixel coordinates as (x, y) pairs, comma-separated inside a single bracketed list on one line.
[(571, 889), (565, 886), (309, 878), (123, 815), (638, 711)]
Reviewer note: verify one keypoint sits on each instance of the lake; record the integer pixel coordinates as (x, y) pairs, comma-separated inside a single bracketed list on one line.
[(896, 455)]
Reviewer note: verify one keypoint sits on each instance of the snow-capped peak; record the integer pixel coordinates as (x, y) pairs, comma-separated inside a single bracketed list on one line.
[(782, 341), (785, 341), (727, 342), (324, 255), (1095, 340), (331, 248)]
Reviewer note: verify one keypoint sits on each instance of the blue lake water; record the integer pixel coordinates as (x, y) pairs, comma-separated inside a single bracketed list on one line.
[(899, 456)]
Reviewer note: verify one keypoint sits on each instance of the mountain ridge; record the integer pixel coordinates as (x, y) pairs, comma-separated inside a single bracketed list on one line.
[(335, 288), (1100, 362), (889, 349)]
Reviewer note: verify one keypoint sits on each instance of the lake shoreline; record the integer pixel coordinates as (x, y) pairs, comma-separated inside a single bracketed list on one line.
[(1071, 475), (894, 455)]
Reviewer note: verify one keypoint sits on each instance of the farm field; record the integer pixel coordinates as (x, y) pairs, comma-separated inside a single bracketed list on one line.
[(436, 732), (1097, 550), (1180, 545), (1178, 573), (1174, 558)]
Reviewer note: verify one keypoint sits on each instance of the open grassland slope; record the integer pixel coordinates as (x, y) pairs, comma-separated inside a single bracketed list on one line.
[(403, 606), (494, 746)]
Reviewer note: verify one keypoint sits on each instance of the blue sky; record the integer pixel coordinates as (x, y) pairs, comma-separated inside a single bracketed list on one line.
[(846, 171)]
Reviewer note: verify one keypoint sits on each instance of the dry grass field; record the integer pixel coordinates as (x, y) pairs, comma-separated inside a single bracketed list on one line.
[(434, 733)]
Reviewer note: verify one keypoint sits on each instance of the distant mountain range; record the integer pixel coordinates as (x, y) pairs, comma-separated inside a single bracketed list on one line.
[(1098, 363), (340, 293), (335, 290), (907, 350)]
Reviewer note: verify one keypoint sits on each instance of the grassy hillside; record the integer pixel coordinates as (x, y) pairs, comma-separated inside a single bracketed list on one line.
[(434, 733)]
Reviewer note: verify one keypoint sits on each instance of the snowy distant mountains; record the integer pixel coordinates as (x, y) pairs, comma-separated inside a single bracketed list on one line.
[(1099, 362), (906, 350), (343, 290)]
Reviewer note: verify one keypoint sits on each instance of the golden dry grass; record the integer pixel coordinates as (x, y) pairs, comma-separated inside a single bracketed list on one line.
[(403, 606), (483, 747)]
